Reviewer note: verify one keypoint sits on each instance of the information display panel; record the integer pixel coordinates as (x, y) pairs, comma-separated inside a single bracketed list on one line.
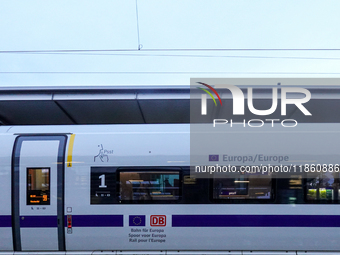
[(38, 186)]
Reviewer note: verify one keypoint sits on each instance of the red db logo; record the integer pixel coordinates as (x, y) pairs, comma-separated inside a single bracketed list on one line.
[(157, 220)]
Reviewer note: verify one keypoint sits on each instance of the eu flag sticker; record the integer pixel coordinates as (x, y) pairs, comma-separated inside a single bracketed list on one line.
[(213, 157), (137, 220)]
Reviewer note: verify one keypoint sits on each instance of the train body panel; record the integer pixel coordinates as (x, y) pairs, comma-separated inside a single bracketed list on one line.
[(109, 199), (6, 148), (142, 147), (239, 237)]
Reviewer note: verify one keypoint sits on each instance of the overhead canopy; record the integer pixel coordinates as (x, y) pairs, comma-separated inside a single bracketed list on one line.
[(144, 105)]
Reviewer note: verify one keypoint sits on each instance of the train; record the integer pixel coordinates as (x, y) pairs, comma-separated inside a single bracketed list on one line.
[(134, 189)]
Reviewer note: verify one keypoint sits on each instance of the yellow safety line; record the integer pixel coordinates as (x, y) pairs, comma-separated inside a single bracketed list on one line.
[(70, 150)]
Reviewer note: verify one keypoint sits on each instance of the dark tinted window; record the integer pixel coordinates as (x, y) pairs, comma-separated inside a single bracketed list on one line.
[(322, 187), (149, 185), (243, 187)]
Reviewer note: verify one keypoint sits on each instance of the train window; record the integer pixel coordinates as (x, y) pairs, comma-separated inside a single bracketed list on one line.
[(149, 186), (38, 186), (322, 187), (250, 187), (289, 190)]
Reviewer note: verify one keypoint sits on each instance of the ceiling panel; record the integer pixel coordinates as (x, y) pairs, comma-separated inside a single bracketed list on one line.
[(103, 111), (322, 110), (30, 112), (146, 105), (165, 110)]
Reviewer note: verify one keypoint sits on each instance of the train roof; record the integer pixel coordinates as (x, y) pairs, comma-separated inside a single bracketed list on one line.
[(138, 105)]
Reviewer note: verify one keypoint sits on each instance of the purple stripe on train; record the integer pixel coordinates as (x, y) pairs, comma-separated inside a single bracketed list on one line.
[(38, 221), (96, 221), (5, 221), (256, 221), (185, 221), (77, 221)]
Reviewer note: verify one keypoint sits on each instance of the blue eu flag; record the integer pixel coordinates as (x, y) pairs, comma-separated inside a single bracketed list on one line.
[(213, 157), (137, 220)]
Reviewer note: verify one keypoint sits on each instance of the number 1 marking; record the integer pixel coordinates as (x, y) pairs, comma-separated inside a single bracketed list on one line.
[(102, 178)]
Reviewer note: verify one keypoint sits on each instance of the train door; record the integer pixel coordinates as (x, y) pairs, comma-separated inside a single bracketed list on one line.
[(38, 173)]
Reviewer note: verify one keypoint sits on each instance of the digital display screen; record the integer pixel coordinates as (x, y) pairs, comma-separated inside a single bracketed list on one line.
[(38, 186)]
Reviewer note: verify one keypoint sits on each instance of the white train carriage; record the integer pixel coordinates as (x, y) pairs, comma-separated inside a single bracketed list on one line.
[(120, 188)]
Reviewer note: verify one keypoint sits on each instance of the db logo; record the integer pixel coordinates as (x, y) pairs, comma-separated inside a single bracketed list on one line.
[(157, 220)]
